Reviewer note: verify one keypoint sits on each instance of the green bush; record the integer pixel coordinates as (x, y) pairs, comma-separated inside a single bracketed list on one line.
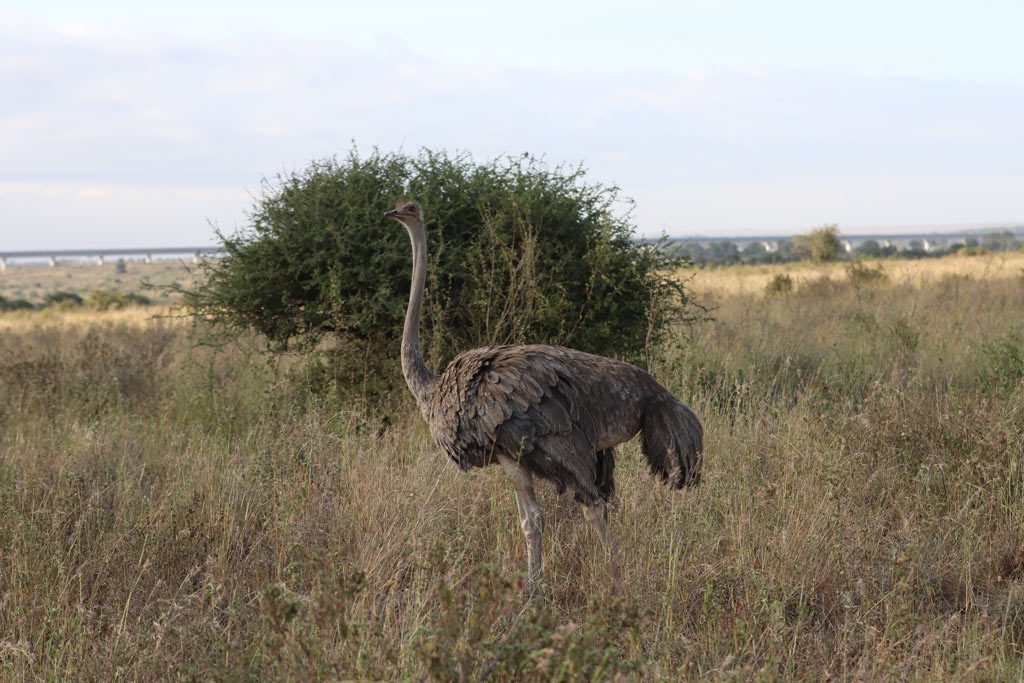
[(821, 244), (519, 252), (781, 283), (862, 275), (1003, 359), (62, 299), (106, 300), (14, 304)]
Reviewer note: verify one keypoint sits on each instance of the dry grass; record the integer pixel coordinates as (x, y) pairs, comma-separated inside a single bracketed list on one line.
[(751, 280), (21, 322), (169, 512), (33, 281)]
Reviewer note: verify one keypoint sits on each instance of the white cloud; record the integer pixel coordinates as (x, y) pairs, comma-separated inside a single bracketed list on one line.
[(133, 117)]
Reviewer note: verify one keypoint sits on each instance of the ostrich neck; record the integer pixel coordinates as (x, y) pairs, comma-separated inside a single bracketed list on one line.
[(417, 376)]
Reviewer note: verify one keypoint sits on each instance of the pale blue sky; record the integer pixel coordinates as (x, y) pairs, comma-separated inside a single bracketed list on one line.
[(135, 125)]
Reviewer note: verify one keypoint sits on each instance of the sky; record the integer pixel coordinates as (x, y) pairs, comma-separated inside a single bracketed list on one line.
[(127, 124)]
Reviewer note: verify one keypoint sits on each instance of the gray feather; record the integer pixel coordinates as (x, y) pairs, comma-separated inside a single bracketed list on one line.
[(554, 409)]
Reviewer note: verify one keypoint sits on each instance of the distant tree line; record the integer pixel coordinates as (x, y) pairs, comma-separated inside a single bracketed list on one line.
[(823, 245)]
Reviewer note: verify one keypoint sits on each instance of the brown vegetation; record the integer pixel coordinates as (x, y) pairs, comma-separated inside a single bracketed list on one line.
[(752, 280), (171, 512)]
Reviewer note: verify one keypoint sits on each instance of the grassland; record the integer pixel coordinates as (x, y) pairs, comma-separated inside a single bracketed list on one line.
[(752, 280), (171, 512), (33, 281)]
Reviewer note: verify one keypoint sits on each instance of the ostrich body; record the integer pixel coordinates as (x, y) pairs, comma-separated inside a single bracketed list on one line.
[(545, 411)]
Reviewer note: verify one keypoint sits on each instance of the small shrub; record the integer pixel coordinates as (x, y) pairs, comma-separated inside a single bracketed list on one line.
[(861, 275), (781, 283), (105, 300), (14, 304), (62, 299), (821, 245), (519, 253), (1004, 360), (906, 334)]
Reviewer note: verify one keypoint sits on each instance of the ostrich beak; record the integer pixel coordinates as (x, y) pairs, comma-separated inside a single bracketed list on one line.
[(391, 214)]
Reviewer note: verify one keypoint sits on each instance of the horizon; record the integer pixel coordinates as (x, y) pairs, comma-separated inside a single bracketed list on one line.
[(897, 232)]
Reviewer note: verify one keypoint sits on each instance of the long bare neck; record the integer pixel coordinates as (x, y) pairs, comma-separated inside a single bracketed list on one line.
[(417, 376)]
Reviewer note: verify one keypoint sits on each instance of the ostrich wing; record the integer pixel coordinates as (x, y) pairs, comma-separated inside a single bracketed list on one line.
[(525, 402)]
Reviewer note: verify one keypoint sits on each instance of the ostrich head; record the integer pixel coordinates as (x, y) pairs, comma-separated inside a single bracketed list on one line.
[(408, 214)]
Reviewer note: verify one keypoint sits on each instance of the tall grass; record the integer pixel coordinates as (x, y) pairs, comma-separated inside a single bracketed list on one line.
[(752, 279), (171, 512)]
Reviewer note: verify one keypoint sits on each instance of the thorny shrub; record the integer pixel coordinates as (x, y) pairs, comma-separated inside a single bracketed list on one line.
[(519, 252)]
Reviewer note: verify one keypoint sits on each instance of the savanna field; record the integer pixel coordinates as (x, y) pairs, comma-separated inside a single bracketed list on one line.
[(184, 512)]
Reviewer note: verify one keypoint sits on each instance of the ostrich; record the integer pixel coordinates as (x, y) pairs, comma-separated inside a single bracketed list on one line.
[(544, 411)]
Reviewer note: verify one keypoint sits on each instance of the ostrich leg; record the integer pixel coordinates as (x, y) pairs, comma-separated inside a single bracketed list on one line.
[(531, 519), (598, 516)]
